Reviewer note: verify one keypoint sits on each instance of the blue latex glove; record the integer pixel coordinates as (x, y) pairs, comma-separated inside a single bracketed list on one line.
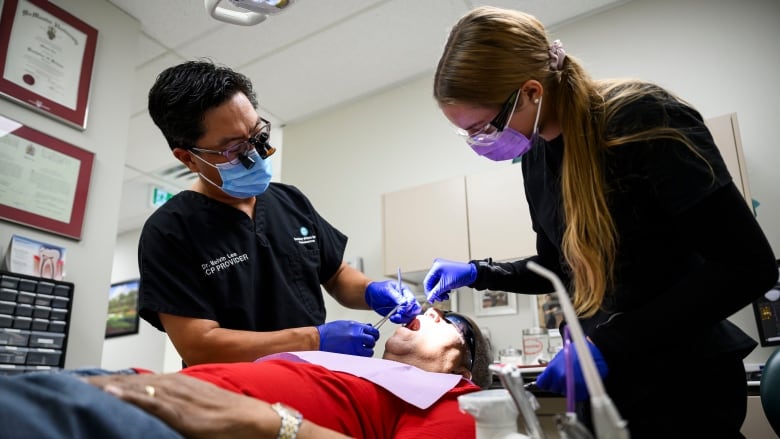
[(383, 296), (348, 337), (447, 275), (553, 379)]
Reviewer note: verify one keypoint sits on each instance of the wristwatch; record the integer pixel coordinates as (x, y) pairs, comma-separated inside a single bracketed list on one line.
[(291, 421)]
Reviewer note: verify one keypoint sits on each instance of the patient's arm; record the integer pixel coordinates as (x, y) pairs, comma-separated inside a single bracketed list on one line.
[(199, 409)]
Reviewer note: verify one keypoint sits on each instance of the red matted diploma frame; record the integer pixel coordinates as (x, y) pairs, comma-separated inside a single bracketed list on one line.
[(43, 180), (46, 59)]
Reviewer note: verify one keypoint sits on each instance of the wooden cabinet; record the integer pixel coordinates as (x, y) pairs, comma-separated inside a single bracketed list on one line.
[(423, 223), (499, 221), (472, 217), (725, 132)]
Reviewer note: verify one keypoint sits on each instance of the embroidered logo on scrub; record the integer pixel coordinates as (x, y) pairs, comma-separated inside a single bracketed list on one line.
[(222, 263), (305, 238)]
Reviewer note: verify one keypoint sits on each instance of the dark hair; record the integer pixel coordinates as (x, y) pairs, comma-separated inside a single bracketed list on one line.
[(182, 94), (481, 357)]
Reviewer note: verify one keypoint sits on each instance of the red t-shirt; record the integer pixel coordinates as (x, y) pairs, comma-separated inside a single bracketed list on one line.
[(340, 401)]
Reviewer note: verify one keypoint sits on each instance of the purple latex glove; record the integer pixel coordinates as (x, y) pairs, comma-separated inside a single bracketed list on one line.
[(348, 337), (445, 276), (383, 296), (553, 379)]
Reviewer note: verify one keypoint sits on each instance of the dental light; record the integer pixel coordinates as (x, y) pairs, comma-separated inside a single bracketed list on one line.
[(256, 10)]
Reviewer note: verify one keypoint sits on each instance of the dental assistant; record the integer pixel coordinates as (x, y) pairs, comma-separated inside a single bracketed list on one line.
[(232, 268), (633, 208)]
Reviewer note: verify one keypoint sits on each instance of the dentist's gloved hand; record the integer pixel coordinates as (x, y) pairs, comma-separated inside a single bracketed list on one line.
[(447, 275), (553, 379), (348, 337), (383, 296)]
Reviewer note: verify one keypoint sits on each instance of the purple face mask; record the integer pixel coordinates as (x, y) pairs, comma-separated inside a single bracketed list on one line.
[(509, 143)]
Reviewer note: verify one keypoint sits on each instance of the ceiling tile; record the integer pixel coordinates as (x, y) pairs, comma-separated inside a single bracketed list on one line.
[(171, 22), (145, 76), (236, 46), (147, 150), (336, 67), (148, 49)]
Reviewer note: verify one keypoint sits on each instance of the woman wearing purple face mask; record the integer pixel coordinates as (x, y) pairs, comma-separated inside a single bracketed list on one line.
[(629, 198)]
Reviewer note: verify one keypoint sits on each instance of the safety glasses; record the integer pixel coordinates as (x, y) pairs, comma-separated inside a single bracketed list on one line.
[(490, 132), (464, 327), (239, 151)]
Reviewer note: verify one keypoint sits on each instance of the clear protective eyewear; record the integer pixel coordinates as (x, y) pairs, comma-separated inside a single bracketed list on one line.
[(240, 151), (490, 132)]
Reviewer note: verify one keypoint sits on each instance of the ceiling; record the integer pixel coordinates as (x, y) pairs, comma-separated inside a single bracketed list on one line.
[(314, 55)]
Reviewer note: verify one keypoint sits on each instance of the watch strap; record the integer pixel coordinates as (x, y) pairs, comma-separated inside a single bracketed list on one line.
[(291, 421)]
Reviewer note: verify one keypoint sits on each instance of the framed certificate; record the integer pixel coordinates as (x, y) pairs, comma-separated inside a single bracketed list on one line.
[(43, 180), (46, 59)]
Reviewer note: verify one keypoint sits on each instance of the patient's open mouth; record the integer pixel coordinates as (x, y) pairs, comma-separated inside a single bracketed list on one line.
[(413, 325)]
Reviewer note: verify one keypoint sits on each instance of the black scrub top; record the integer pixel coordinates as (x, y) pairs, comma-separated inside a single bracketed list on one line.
[(203, 259)]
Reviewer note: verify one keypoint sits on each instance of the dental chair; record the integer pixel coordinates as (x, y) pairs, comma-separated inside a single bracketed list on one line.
[(770, 390)]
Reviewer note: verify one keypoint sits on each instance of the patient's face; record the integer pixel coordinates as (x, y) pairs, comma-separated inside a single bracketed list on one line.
[(428, 342)]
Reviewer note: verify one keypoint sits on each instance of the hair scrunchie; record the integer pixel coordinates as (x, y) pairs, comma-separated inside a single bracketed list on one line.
[(557, 55)]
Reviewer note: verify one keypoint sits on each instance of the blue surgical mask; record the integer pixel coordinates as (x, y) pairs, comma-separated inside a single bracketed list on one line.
[(240, 182), (510, 143)]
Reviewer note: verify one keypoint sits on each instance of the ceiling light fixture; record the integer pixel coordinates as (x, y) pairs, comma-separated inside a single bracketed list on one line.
[(255, 10)]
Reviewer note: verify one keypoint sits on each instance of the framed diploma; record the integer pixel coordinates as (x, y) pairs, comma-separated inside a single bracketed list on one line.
[(46, 59), (43, 180)]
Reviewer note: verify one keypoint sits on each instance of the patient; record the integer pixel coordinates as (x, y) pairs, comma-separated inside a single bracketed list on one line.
[(336, 394)]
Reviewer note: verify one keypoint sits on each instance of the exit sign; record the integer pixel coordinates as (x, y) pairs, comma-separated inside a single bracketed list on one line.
[(160, 196)]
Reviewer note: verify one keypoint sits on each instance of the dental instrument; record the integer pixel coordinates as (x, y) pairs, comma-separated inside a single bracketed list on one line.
[(392, 311)]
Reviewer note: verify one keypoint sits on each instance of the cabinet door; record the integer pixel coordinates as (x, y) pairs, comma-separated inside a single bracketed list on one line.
[(499, 221), (725, 132), (423, 223)]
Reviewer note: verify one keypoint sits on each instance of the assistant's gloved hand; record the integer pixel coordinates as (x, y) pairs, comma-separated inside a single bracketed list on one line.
[(447, 275), (348, 337), (553, 379), (383, 296)]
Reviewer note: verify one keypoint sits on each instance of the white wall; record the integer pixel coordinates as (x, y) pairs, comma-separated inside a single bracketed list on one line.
[(122, 352), (88, 261), (719, 57)]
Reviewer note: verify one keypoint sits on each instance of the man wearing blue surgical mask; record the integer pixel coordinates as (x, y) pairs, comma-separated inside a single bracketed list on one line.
[(232, 268)]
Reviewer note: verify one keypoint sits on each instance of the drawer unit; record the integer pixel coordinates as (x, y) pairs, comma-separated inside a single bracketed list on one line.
[(43, 357), (34, 319), (14, 337), (46, 340), (8, 294), (13, 355)]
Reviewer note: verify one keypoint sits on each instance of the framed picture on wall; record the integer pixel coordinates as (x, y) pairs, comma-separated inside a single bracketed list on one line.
[(494, 303), (549, 313), (122, 316), (767, 311), (44, 181), (46, 59)]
